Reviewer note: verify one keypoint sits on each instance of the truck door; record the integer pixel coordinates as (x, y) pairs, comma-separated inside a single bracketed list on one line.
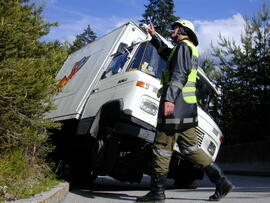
[(104, 90)]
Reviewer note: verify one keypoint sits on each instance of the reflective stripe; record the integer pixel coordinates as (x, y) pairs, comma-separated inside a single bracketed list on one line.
[(190, 84), (172, 121), (190, 149), (178, 120), (188, 120), (188, 94), (177, 84), (161, 152)]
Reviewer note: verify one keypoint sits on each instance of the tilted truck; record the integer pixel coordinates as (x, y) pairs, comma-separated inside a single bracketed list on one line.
[(107, 102)]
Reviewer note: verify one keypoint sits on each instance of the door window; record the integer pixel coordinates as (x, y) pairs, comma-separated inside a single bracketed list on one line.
[(115, 65)]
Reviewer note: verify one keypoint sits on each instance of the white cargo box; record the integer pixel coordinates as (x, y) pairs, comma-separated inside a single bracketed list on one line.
[(83, 69)]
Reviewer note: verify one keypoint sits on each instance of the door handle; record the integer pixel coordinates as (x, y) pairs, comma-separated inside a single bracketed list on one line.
[(123, 80)]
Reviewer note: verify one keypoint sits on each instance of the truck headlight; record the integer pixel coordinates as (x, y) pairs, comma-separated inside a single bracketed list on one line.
[(149, 107), (211, 148)]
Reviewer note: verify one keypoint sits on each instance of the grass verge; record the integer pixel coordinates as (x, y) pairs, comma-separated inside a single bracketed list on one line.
[(23, 178)]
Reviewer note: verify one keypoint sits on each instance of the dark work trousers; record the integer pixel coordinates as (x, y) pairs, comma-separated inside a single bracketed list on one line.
[(188, 144)]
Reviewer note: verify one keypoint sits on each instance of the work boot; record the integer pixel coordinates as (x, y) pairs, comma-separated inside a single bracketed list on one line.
[(157, 192), (223, 185)]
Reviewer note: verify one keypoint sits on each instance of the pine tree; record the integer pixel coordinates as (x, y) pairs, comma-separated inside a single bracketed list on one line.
[(245, 81), (160, 13), (210, 69), (83, 39), (20, 28), (27, 71)]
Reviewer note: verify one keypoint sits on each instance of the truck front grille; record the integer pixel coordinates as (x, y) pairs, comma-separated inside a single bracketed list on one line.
[(200, 135)]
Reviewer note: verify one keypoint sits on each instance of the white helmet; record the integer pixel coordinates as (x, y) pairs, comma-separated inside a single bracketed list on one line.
[(190, 26)]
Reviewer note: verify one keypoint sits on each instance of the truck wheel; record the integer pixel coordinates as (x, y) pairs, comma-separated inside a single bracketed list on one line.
[(97, 154), (105, 155)]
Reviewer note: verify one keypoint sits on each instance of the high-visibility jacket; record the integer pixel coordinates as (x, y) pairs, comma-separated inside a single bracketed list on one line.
[(179, 85)]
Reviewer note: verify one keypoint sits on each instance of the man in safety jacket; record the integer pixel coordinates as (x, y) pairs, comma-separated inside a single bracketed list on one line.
[(178, 113)]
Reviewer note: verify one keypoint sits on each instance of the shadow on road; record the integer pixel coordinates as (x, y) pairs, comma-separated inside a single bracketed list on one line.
[(122, 196), (105, 187)]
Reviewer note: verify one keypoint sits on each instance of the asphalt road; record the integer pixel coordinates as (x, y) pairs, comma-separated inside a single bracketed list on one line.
[(248, 189)]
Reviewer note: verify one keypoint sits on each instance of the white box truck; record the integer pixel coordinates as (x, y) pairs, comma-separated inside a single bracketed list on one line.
[(108, 104)]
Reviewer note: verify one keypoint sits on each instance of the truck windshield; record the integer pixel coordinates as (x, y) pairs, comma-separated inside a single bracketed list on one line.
[(207, 98), (147, 60)]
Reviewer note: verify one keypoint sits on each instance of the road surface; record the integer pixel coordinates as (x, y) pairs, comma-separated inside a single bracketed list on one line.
[(248, 189)]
